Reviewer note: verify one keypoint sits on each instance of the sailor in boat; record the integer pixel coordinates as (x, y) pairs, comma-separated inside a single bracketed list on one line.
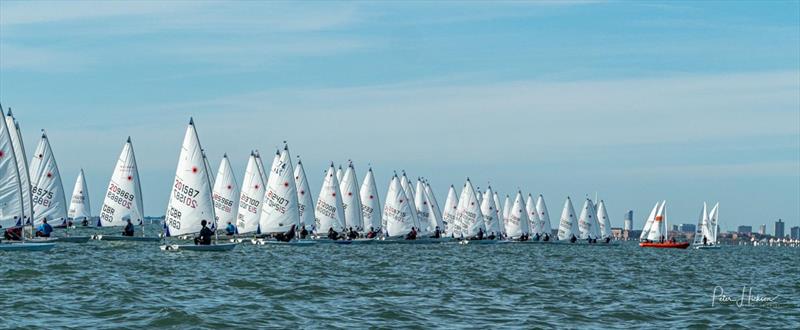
[(128, 231), (85, 222), (230, 229), (44, 229), (478, 236), (437, 233), (332, 234), (608, 239), (705, 240), (412, 235), (371, 233), (491, 236), (536, 237), (205, 235), (546, 237), (352, 234), (287, 236), (573, 239), (303, 232)]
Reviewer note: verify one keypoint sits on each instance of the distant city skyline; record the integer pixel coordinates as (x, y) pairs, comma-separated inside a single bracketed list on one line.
[(637, 102)]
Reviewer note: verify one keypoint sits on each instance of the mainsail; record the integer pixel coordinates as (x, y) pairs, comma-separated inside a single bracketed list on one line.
[(226, 194), (370, 203), (191, 199), (280, 209), (648, 224), (491, 218), (398, 211), (451, 225), (436, 212), (587, 222), (702, 227), (426, 218), (11, 199), (79, 207), (305, 202), (518, 222), (250, 197), (351, 201), (22, 165), (533, 215), (544, 216), (123, 198), (468, 213), (568, 225), (500, 218), (713, 223), (658, 229), (506, 208), (329, 211), (602, 217), (48, 192)]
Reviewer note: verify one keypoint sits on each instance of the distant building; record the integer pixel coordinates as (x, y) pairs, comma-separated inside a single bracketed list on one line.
[(762, 229), (795, 232), (628, 224), (688, 227), (675, 228), (617, 233), (745, 230), (779, 228)]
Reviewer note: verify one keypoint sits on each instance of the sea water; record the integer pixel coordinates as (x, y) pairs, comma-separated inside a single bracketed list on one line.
[(136, 285)]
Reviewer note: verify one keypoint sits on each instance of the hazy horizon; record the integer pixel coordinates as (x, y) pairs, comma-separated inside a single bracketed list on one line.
[(635, 102)]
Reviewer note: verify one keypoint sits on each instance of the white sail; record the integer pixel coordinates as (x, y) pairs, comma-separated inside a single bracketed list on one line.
[(191, 199), (280, 211), (469, 213), (405, 183), (436, 212), (226, 194), (11, 199), (518, 223), (208, 166), (329, 211), (657, 230), (568, 225), (648, 223), (123, 198), (398, 210), (79, 206), (702, 227), (544, 217), (602, 217), (22, 165), (500, 217), (250, 197), (713, 223), (587, 220), (305, 202), (427, 221), (491, 218), (339, 174), (351, 200), (451, 225), (479, 195), (371, 209), (262, 171), (533, 216), (506, 207), (48, 199)]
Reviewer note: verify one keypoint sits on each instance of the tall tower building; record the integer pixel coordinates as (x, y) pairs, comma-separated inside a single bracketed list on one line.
[(628, 224), (762, 229), (779, 229)]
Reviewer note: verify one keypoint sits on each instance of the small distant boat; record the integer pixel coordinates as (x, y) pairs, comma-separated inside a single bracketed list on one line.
[(656, 230), (705, 238), (191, 201), (79, 208)]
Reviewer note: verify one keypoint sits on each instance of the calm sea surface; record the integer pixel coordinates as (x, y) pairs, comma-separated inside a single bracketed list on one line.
[(130, 285)]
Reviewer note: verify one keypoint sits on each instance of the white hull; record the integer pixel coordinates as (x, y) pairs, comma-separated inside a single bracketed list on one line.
[(304, 242), (117, 238), (26, 246), (706, 247), (205, 248), (68, 239), (484, 241)]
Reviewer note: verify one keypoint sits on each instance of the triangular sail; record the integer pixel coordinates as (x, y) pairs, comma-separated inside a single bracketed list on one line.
[(587, 220), (250, 197), (22, 165), (49, 200), (506, 207), (499, 209), (123, 198), (351, 200), (544, 216), (427, 220), (398, 210), (191, 199), (469, 212), (568, 225), (491, 218), (702, 227), (329, 211), (436, 212), (657, 229), (405, 183), (339, 174), (602, 217), (451, 225), (280, 209), (648, 223), (371, 209), (305, 202), (226, 194), (713, 223), (79, 206), (518, 223), (11, 199), (533, 216)]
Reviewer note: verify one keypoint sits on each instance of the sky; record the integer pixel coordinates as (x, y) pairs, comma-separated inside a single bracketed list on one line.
[(634, 102)]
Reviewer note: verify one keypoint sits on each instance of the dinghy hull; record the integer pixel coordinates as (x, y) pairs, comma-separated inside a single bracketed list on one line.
[(115, 238), (707, 247), (200, 248), (26, 246), (665, 245)]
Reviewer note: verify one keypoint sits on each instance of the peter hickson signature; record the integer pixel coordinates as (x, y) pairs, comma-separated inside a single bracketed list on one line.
[(746, 299)]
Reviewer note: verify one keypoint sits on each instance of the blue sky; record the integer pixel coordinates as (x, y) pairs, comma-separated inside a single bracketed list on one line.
[(637, 101)]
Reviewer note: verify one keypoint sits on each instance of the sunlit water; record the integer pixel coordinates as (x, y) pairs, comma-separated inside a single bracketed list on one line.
[(135, 285)]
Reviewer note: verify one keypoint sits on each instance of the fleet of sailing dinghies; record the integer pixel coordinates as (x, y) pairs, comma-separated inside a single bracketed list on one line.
[(371, 209), (226, 194), (329, 213), (49, 201), (272, 200), (79, 206), (305, 202)]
